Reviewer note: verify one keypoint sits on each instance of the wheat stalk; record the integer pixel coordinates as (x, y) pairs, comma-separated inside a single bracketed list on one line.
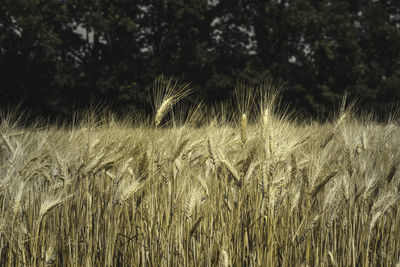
[(265, 125), (309, 228), (224, 258)]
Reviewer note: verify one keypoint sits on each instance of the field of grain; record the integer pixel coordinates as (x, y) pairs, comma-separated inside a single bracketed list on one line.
[(256, 188)]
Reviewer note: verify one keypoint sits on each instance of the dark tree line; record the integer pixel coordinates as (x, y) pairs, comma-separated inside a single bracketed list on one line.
[(57, 55)]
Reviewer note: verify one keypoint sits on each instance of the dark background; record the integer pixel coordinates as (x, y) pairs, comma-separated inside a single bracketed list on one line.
[(57, 56)]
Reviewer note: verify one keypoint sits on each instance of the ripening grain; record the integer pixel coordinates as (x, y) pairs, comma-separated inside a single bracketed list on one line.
[(264, 190)]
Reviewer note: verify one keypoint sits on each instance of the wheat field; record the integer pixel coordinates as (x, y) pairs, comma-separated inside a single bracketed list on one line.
[(258, 187)]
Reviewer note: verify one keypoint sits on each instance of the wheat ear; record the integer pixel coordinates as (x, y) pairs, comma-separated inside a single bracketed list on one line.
[(165, 106), (320, 186), (17, 199), (243, 128)]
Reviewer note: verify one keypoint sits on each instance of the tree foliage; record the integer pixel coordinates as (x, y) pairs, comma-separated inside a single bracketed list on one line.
[(60, 54)]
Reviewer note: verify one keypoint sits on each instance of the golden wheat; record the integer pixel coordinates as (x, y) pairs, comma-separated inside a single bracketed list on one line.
[(283, 193)]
